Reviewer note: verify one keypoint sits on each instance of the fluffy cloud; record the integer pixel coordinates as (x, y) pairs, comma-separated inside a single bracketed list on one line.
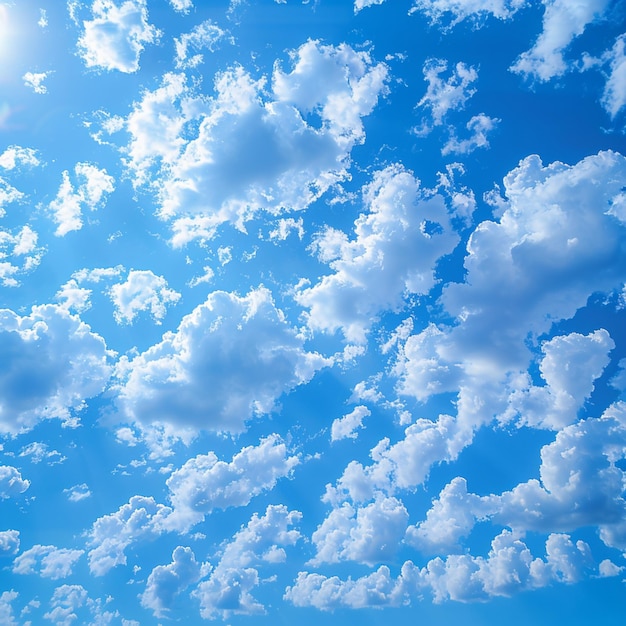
[(459, 10), (220, 175), (111, 534), (89, 192), (9, 542), (142, 291), (614, 96), (204, 35), (19, 253), (168, 581), (347, 425), (239, 349), (38, 452), (35, 80), (6, 609), (443, 96), (11, 482), (77, 492), (262, 541), (115, 38), (562, 23), (395, 250), (182, 5), (369, 534), (47, 561), (65, 601), (14, 156), (205, 483), (51, 364), (479, 126)]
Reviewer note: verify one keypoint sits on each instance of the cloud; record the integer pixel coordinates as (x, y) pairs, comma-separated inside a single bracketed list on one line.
[(182, 5), (51, 364), (142, 291), (614, 95), (443, 96), (35, 80), (11, 482), (205, 483), (241, 348), (65, 601), (168, 581), (111, 534), (89, 192), (479, 125), (6, 610), (19, 252), (38, 452), (77, 492), (16, 156), (395, 251), (204, 35), (48, 561), (220, 175), (359, 5), (562, 23), (459, 10), (346, 426), (9, 541), (227, 592), (114, 39)]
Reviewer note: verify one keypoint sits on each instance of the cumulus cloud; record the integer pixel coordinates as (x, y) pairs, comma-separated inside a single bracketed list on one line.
[(19, 253), (205, 35), (219, 175), (65, 601), (47, 561), (9, 541), (166, 582), (395, 250), (6, 608), (116, 36), (11, 482), (142, 291), (77, 492), (205, 483), (111, 534), (445, 95), (38, 452), (562, 23), (89, 192), (614, 95), (262, 541), (35, 80), (479, 127), (52, 363), (16, 156), (448, 13), (348, 425), (182, 5), (239, 348)]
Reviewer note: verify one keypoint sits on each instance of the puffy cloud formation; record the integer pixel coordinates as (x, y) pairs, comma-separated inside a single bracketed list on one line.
[(166, 582), (111, 534), (459, 10), (115, 38), (142, 291), (479, 126), (205, 483), (204, 35), (614, 96), (443, 96), (15, 156), (182, 5), (65, 601), (51, 364), (47, 561), (347, 425), (562, 23), (9, 541), (89, 192), (230, 359), (19, 253), (11, 482), (395, 251), (262, 541), (307, 127), (6, 609), (35, 80), (77, 492)]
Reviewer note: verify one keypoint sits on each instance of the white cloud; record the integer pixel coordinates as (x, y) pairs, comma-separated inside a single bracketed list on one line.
[(220, 176), (19, 253), (38, 452), (35, 80), (182, 5), (362, 4), (14, 156), (111, 534), (395, 250), (142, 291), (9, 542), (52, 363), (205, 35), (614, 96), (168, 581), (92, 186), (115, 38), (11, 482), (65, 601), (227, 592), (77, 492), (239, 348), (205, 483), (6, 609), (47, 561), (563, 21), (459, 10), (285, 227), (443, 96), (479, 125), (348, 425), (369, 534)]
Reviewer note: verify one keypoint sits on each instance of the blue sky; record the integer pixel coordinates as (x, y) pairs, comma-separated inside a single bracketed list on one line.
[(312, 311)]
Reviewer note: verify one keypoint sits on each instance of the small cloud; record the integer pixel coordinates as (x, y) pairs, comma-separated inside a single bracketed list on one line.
[(35, 80), (77, 492)]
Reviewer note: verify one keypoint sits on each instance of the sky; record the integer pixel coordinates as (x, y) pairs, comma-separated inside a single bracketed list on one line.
[(312, 311)]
